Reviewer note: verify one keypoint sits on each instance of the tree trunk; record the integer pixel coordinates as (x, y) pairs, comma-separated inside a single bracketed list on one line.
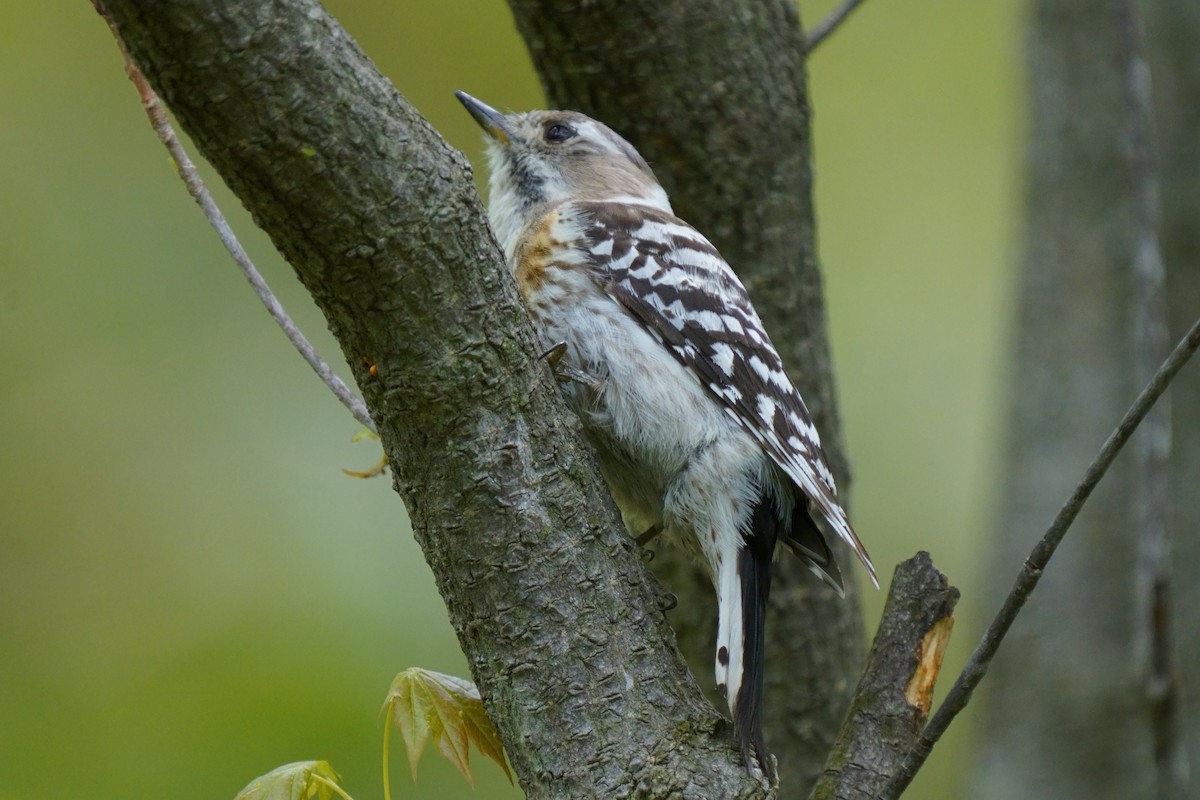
[(1067, 714)]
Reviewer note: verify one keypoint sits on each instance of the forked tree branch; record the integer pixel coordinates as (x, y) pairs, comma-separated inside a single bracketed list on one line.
[(1027, 579)]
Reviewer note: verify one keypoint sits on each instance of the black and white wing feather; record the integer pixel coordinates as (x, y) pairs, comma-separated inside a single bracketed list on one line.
[(672, 280)]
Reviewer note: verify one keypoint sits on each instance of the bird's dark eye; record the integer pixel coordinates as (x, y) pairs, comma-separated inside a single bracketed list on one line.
[(559, 133)]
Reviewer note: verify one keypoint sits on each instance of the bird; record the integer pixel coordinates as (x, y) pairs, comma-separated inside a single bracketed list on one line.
[(699, 432)]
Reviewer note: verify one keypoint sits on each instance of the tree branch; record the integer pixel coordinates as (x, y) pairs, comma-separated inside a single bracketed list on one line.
[(894, 695), (552, 605), (212, 212), (1031, 572), (833, 20)]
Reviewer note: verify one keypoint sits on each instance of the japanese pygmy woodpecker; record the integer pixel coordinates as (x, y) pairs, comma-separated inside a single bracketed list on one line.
[(699, 431)]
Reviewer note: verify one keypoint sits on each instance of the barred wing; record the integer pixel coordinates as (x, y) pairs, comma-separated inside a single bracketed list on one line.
[(672, 280)]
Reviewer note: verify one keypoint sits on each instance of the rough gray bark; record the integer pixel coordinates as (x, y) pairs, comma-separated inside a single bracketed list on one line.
[(891, 704), (381, 222), (714, 94), (1066, 712)]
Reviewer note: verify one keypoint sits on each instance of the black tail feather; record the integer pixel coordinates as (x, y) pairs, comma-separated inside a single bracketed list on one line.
[(754, 574), (805, 539)]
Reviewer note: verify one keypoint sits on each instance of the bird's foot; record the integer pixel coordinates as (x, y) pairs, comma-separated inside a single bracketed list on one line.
[(564, 373)]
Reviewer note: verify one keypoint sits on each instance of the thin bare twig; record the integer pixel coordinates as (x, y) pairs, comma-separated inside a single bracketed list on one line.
[(1154, 648), (198, 191), (833, 20), (960, 694)]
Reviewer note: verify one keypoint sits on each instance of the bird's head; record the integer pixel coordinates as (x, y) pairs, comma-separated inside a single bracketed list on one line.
[(540, 159)]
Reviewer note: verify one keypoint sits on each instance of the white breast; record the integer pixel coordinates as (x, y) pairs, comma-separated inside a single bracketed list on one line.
[(645, 413)]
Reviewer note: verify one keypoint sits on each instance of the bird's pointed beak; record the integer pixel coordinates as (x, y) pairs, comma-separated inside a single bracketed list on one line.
[(492, 121)]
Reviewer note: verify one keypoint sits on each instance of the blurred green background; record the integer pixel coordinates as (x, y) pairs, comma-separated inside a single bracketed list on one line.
[(191, 592)]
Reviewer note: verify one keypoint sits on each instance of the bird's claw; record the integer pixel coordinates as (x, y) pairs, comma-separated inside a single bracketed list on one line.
[(554, 355), (564, 373)]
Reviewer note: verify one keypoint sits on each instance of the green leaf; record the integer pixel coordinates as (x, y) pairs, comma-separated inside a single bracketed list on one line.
[(302, 780), (426, 705)]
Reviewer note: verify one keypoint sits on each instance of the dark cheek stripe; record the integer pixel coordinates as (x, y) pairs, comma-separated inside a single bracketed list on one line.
[(529, 185)]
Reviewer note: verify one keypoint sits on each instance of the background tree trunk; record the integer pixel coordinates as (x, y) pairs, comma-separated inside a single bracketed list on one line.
[(715, 95), (1066, 709), (1173, 29)]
